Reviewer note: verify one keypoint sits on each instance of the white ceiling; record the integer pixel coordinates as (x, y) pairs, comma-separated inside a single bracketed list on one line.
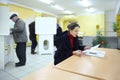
[(71, 5)]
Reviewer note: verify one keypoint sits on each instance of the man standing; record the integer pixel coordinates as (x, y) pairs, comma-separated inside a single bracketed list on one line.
[(20, 38), (32, 37)]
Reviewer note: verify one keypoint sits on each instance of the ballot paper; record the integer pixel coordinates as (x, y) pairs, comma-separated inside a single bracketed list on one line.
[(92, 48), (95, 47), (93, 52)]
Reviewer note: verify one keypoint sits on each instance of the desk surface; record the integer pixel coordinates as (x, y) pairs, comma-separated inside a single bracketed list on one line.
[(107, 68), (51, 73)]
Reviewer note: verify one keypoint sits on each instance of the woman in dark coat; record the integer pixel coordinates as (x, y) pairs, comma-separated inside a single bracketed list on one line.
[(69, 44)]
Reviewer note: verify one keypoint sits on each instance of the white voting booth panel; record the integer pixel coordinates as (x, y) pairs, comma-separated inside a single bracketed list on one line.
[(45, 25), (4, 21), (45, 28), (6, 44), (46, 44), (8, 49)]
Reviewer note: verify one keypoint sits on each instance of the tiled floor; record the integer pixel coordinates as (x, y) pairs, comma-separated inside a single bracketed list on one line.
[(34, 62)]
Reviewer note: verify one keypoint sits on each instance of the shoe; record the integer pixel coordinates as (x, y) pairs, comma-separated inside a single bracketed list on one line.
[(19, 64), (33, 52)]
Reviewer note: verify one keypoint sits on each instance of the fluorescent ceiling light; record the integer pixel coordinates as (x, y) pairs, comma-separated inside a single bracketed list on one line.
[(85, 3), (36, 10), (90, 9), (57, 7), (67, 12), (46, 1)]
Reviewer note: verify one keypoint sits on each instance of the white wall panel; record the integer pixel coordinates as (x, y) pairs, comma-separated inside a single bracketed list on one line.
[(4, 20)]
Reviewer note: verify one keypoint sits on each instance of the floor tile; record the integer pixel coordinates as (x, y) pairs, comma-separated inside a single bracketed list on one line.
[(34, 63)]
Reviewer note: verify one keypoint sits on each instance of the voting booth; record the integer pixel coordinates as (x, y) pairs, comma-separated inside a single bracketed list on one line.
[(6, 40), (45, 27)]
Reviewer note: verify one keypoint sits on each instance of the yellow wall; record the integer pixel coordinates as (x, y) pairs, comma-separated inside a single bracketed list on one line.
[(118, 21), (26, 12), (87, 23), (65, 20), (1, 4), (23, 12)]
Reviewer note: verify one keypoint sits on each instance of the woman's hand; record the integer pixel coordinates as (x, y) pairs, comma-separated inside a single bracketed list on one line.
[(77, 52)]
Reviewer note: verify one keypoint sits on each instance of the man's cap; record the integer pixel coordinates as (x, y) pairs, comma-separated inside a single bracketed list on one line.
[(13, 15)]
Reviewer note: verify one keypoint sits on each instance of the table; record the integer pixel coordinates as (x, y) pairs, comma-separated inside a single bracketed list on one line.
[(51, 73), (107, 68)]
